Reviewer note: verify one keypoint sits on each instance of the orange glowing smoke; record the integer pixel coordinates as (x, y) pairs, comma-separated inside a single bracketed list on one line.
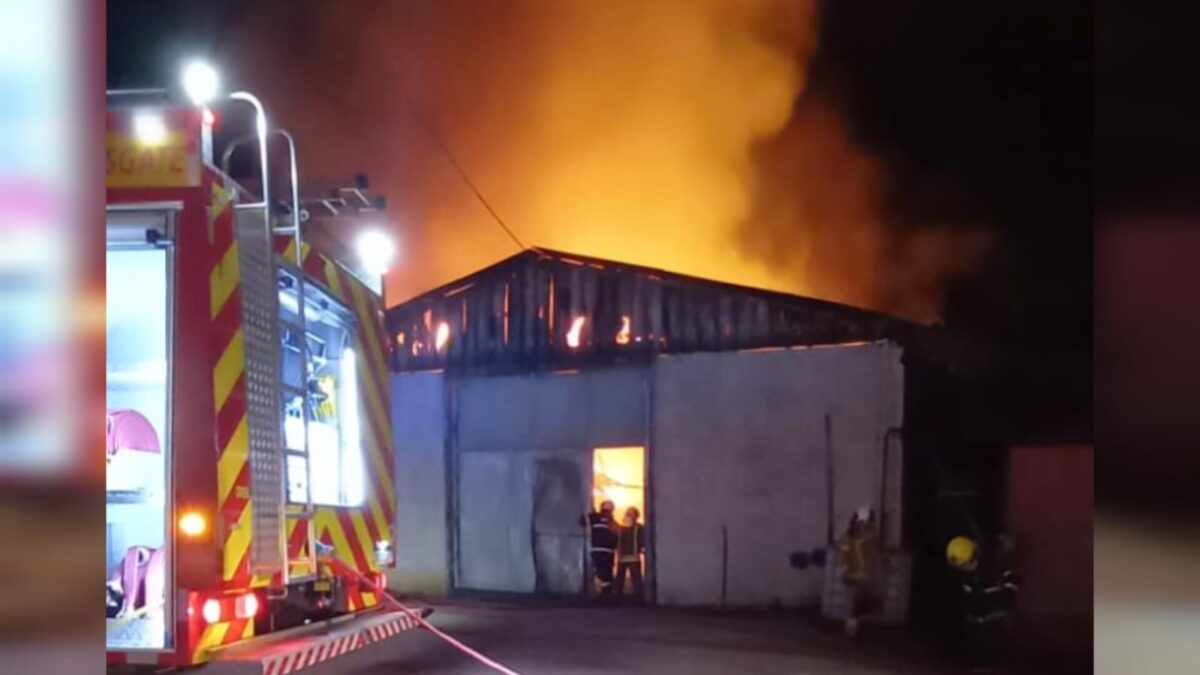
[(675, 134)]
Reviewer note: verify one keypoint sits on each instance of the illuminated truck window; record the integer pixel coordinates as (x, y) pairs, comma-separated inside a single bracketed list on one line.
[(320, 388)]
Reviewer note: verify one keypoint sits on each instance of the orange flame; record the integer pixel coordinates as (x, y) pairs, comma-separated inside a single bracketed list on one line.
[(442, 337), (576, 331), (623, 334)]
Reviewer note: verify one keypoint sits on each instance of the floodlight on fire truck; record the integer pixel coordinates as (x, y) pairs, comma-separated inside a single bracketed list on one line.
[(149, 128), (375, 251), (200, 82)]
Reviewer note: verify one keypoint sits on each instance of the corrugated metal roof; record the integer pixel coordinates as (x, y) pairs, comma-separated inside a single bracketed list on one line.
[(542, 309)]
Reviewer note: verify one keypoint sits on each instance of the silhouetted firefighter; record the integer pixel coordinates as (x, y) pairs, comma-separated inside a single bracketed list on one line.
[(603, 537)]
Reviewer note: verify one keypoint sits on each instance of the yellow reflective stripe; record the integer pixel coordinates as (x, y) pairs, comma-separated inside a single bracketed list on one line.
[(368, 321), (220, 201), (233, 458), (248, 631), (237, 542), (334, 281), (381, 524), (364, 538), (374, 445), (302, 565), (289, 253), (371, 447), (223, 280), (229, 368), (213, 635), (327, 520)]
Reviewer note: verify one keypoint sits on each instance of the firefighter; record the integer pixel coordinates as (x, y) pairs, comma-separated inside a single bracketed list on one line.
[(603, 537), (858, 557), (631, 541), (986, 597)]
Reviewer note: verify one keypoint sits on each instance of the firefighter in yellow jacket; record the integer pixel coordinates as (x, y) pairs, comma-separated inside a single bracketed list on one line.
[(858, 559)]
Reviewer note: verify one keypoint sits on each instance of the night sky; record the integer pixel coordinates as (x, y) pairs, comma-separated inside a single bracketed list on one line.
[(980, 114)]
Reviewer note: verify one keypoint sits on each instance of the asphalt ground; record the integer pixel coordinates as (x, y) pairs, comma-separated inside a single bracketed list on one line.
[(540, 639)]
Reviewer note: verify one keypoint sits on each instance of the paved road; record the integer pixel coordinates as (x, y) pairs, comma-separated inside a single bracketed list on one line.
[(585, 640)]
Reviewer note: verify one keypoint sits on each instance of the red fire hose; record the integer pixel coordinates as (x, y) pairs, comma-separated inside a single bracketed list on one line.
[(344, 569)]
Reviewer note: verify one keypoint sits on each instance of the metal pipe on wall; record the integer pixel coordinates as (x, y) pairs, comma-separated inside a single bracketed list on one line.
[(883, 480), (650, 589), (829, 500)]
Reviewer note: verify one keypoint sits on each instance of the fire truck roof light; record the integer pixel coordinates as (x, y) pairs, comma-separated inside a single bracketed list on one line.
[(149, 128), (200, 82), (376, 251)]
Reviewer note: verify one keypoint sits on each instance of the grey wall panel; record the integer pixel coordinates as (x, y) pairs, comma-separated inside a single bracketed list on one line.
[(418, 421), (740, 450), (508, 424), (495, 526), (494, 413), (616, 404), (572, 411), (559, 410)]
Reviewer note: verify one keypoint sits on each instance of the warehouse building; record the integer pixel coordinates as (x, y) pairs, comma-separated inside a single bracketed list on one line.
[(748, 425)]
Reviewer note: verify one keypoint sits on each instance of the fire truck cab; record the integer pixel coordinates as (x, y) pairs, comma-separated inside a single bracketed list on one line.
[(248, 440)]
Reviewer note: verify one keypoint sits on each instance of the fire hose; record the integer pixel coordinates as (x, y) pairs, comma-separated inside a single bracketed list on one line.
[(342, 568)]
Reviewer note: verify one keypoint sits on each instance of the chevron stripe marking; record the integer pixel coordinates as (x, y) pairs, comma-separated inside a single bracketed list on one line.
[(228, 369), (223, 280)]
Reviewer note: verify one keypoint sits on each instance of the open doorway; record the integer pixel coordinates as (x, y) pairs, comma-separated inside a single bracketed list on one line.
[(619, 476)]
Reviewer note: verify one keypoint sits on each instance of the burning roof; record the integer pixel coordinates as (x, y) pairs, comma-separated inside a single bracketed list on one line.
[(543, 309)]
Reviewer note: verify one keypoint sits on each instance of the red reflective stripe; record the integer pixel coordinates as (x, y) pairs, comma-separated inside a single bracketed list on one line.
[(360, 556)]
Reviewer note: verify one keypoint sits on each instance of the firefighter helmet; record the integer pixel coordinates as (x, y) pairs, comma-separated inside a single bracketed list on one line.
[(960, 552)]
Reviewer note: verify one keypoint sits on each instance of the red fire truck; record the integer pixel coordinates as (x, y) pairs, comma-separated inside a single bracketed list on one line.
[(250, 487)]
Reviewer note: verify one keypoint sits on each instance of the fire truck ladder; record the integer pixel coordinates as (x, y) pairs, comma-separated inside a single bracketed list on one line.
[(301, 329), (268, 449)]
